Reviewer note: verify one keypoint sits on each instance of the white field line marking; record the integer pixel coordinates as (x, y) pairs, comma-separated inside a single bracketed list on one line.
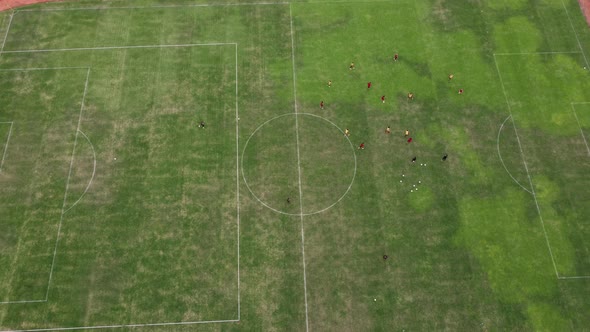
[(502, 160), (575, 277), (40, 68), (24, 301), (93, 173), (116, 47), (575, 115), (299, 169), (297, 214), (67, 185), (124, 326), (575, 33), (238, 175), (538, 53), (526, 168), (6, 145), (6, 35), (156, 6)]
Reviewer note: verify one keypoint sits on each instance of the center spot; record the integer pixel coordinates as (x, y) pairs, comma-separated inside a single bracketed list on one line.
[(308, 182)]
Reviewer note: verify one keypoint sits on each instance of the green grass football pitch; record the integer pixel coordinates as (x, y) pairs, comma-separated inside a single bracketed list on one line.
[(118, 212)]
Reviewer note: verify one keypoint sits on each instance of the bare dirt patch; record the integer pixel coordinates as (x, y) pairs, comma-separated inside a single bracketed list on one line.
[(10, 4), (585, 5)]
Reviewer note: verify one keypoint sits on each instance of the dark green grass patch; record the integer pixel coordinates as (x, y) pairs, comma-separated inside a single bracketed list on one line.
[(555, 162)]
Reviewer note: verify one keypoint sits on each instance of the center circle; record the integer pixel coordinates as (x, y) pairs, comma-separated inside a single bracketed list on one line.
[(298, 164)]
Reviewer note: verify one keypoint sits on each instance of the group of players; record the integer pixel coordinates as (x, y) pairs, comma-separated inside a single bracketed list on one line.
[(388, 129)]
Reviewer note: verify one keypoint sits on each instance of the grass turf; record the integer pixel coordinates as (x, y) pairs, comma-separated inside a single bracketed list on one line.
[(154, 239)]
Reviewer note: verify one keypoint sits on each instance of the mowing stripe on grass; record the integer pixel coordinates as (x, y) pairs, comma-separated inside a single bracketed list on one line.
[(526, 168), (299, 168), (63, 210)]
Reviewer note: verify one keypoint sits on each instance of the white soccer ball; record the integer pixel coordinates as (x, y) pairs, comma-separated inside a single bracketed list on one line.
[(400, 181), (419, 181), (115, 158)]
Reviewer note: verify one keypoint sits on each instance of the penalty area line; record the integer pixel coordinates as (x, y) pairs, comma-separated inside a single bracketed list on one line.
[(579, 125), (103, 48), (573, 277), (237, 173), (539, 53), (63, 208), (6, 34), (98, 327), (526, 168)]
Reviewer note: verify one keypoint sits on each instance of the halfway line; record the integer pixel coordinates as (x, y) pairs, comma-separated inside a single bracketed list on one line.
[(299, 169)]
